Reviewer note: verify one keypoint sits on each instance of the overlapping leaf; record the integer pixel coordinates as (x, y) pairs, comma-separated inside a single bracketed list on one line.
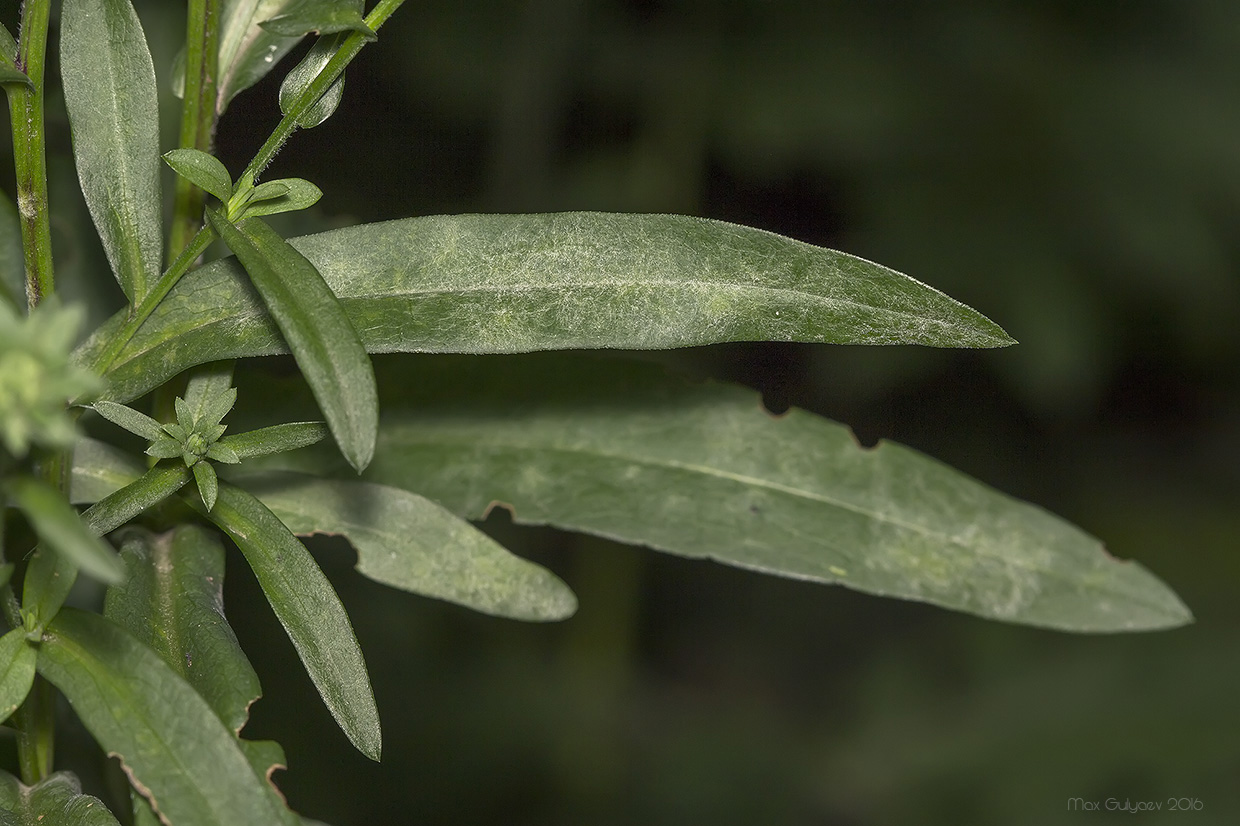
[(248, 51), (170, 741), (17, 658), (514, 283), (56, 801), (109, 88), (699, 469)]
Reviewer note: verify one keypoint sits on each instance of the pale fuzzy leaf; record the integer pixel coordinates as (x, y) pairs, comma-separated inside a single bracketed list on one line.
[(203, 170), (409, 542), (275, 439), (514, 283), (109, 88), (134, 421)]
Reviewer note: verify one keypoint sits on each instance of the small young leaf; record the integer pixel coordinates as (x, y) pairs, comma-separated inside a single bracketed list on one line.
[(223, 453), (132, 420), (208, 484), (298, 194), (322, 339), (109, 89), (275, 439), (186, 417), (268, 190), (320, 17), (170, 741), (308, 608), (55, 801), (299, 80), (165, 447), (59, 526), (203, 170), (17, 657)]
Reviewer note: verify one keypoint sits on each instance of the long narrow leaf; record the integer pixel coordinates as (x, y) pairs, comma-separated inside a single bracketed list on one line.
[(515, 283), (55, 801), (109, 87), (318, 332), (171, 743), (63, 530), (308, 608), (625, 451), (247, 51), (409, 542)]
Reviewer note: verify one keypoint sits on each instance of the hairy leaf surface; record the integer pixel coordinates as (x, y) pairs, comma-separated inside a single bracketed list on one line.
[(56, 801), (409, 542), (109, 87), (625, 451), (171, 743), (515, 283)]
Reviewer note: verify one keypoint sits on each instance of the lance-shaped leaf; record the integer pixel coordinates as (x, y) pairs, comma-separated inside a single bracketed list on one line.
[(298, 81), (409, 542), (170, 741), (202, 170), (515, 283), (318, 332), (109, 87), (297, 194), (308, 608), (278, 438), (51, 574), (700, 470), (17, 658), (59, 526), (55, 801), (320, 17), (173, 601), (248, 51)]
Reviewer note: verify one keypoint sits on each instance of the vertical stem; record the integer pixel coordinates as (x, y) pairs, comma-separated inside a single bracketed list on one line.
[(29, 158), (197, 115)]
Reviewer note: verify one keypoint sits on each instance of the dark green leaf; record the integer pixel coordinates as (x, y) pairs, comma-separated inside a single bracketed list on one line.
[(298, 194), (109, 88), (409, 542), (100, 469), (17, 658), (303, 74), (170, 741), (318, 332), (221, 452), (247, 51), (60, 528), (203, 170), (51, 575), (275, 439), (173, 601), (56, 801), (208, 484), (10, 75), (513, 283), (132, 420), (321, 17), (699, 469), (308, 608)]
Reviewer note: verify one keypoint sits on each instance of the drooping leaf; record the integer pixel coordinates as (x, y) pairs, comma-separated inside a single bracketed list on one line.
[(173, 746), (298, 81), (308, 608), (173, 601), (298, 194), (51, 574), (699, 469), (17, 658), (318, 332), (409, 542), (55, 801), (247, 51), (109, 88), (515, 283), (60, 528), (202, 170), (320, 17)]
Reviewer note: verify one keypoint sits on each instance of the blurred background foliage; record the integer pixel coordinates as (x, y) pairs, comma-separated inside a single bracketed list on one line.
[(1070, 169)]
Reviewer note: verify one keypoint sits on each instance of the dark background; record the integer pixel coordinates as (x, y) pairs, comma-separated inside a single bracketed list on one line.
[(1071, 169)]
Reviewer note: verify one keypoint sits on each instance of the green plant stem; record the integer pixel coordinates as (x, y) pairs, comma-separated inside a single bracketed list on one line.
[(198, 116), (288, 124), (29, 156), (334, 68), (35, 721)]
